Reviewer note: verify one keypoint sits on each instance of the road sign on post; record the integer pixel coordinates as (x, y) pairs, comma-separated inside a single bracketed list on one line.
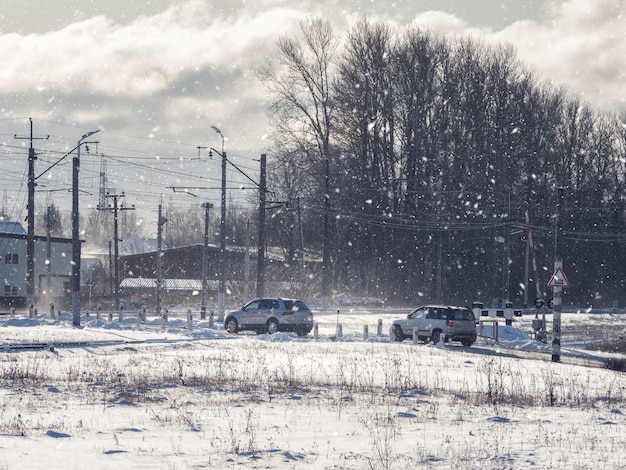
[(557, 282), (559, 279)]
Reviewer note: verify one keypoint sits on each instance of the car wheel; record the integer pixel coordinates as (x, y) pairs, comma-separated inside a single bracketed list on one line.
[(231, 325), (301, 332), (272, 327), (435, 336), (396, 333), (467, 343)]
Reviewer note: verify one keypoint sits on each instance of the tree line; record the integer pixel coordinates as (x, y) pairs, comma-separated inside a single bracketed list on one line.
[(412, 153), (400, 162)]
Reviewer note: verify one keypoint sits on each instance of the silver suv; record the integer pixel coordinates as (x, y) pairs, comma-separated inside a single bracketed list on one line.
[(269, 315), (432, 321)]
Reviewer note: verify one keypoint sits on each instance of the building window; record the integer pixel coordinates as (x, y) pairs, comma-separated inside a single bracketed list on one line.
[(10, 291), (11, 258)]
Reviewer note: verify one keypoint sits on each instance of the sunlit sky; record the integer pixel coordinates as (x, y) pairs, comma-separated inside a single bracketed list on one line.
[(154, 76)]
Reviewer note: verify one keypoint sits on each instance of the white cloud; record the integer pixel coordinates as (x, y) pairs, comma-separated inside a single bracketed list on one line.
[(143, 57), (581, 45)]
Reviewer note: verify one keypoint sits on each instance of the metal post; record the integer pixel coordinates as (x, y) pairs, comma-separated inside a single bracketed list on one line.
[(558, 265)]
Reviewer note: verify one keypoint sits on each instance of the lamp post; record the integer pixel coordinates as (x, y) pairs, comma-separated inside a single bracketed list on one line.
[(75, 233), (205, 255), (221, 292)]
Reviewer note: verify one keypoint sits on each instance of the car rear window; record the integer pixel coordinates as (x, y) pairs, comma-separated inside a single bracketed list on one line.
[(462, 314), (295, 305)]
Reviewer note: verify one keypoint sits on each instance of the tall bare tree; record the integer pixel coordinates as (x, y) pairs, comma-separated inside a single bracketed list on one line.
[(302, 110)]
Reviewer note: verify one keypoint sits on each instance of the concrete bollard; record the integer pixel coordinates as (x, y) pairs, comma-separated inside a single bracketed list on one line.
[(415, 336), (53, 313), (379, 330), (31, 311), (339, 330), (211, 318), (202, 313), (110, 316), (189, 320), (99, 312), (121, 316), (138, 318), (316, 331), (12, 311), (144, 315), (87, 315), (365, 332)]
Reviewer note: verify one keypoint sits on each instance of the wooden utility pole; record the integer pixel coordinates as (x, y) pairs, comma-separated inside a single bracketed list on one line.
[(115, 209), (260, 260), (30, 237)]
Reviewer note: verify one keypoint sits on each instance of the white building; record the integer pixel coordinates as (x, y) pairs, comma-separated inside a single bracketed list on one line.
[(52, 279)]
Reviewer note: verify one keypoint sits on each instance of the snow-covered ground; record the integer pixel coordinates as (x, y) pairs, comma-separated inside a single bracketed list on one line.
[(111, 395)]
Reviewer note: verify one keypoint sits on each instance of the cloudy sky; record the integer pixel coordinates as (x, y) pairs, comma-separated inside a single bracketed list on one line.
[(154, 76)]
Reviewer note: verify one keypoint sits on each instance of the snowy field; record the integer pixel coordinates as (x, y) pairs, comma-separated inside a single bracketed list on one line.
[(112, 395)]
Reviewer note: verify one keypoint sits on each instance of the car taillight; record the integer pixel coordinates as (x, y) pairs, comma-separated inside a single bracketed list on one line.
[(449, 323), (287, 312)]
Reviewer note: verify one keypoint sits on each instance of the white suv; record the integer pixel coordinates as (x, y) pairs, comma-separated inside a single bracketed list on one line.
[(432, 321), (269, 315)]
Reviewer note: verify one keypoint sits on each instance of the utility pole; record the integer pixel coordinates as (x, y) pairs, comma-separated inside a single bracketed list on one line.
[(260, 260), (162, 220), (205, 258), (326, 269), (76, 247), (301, 264), (116, 208), (30, 237)]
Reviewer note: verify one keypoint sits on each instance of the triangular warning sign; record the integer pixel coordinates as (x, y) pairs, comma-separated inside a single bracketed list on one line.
[(559, 279)]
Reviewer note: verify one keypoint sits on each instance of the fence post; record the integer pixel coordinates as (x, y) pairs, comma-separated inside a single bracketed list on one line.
[(164, 319), (189, 320)]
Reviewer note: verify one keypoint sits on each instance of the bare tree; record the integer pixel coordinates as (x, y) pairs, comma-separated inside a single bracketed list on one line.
[(302, 110)]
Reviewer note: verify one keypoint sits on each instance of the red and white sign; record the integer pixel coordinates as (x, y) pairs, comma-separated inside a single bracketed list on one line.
[(559, 279)]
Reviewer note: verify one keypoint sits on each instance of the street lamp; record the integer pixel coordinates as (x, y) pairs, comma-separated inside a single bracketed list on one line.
[(205, 256), (221, 292), (75, 233)]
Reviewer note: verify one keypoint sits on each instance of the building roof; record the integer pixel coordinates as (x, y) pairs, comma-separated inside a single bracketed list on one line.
[(12, 227), (170, 284)]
